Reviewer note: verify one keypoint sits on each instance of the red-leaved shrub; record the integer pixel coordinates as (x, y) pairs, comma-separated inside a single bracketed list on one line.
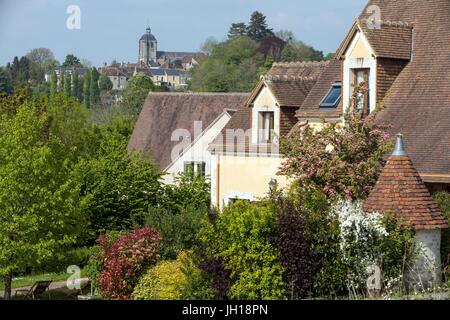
[(124, 259)]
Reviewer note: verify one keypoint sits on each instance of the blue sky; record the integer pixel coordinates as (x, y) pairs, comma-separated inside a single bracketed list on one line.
[(111, 29)]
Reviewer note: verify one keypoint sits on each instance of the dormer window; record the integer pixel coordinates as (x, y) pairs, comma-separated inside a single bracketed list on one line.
[(333, 96)]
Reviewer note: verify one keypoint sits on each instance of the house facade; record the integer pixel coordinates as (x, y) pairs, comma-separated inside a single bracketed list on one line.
[(176, 129), (396, 63), (246, 154)]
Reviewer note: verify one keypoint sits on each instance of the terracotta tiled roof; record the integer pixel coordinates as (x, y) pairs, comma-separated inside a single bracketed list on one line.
[(296, 70), (401, 191), (416, 95), (163, 113), (310, 107), (391, 40), (290, 83)]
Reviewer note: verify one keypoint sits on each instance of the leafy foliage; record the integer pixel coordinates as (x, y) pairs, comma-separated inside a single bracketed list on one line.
[(370, 239), (443, 200), (41, 211), (239, 237), (105, 83), (198, 284), (117, 186), (232, 66), (5, 81), (299, 51), (125, 259), (136, 91), (257, 28), (341, 161), (297, 255), (164, 281), (71, 61)]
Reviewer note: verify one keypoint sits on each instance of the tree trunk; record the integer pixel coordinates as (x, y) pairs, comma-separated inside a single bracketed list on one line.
[(8, 283)]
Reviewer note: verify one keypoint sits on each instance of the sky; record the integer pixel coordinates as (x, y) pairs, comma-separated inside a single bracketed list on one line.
[(111, 29)]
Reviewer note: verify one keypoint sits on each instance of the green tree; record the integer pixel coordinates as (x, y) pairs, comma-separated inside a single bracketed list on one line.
[(341, 162), (42, 60), (71, 61), (87, 88), (105, 83), (39, 196), (237, 30), (257, 28), (136, 91), (116, 186), (94, 91), (74, 89), (67, 84), (5, 81), (233, 65), (62, 79), (298, 51), (53, 83), (20, 71)]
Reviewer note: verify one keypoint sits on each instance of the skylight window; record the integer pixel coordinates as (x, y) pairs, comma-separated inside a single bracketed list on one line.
[(333, 96)]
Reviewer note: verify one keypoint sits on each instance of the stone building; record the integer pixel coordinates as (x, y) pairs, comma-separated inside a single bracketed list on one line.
[(401, 191), (147, 48)]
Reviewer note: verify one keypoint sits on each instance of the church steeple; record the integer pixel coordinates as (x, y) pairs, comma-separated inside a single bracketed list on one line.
[(147, 47)]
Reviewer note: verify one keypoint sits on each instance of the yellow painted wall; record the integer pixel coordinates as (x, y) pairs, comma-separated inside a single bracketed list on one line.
[(360, 50), (248, 174)]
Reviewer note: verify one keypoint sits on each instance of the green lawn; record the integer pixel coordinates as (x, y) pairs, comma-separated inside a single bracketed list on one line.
[(29, 280)]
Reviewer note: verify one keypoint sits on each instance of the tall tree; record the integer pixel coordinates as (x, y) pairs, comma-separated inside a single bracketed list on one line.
[(299, 51), (105, 83), (53, 83), (94, 91), (233, 65), (5, 81), (67, 84), (237, 30), (71, 61), (136, 91), (87, 88), (40, 208), (257, 28), (74, 91), (62, 78), (42, 60)]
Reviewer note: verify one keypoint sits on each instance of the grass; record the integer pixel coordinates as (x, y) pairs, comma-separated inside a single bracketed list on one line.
[(29, 280)]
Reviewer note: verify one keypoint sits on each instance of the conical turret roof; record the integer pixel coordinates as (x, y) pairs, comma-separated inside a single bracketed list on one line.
[(401, 191)]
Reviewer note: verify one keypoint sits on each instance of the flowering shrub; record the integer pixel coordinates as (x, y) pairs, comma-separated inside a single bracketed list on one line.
[(340, 160), (124, 260), (297, 255), (368, 241)]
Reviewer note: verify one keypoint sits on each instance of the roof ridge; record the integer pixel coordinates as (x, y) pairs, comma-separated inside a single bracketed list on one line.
[(277, 77), (300, 63), (199, 93), (389, 23)]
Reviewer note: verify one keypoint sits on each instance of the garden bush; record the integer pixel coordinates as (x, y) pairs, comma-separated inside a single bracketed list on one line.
[(178, 229), (297, 254), (123, 260), (199, 284), (342, 161), (164, 281), (443, 200), (239, 237), (371, 239)]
